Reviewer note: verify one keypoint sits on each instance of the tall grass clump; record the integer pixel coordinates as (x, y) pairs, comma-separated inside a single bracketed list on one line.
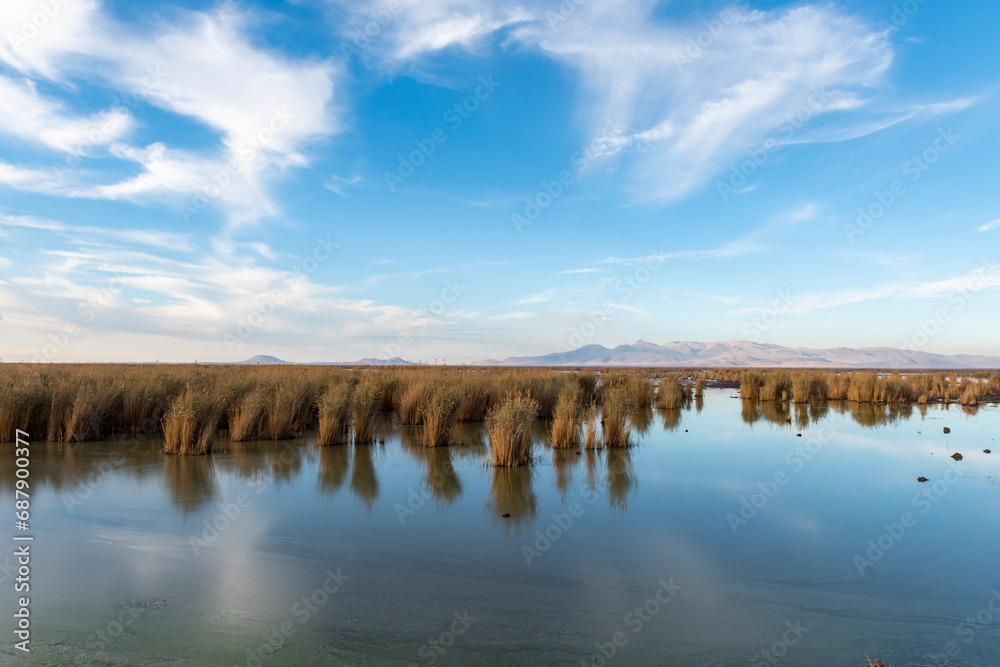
[(699, 388), (191, 422), (590, 440), (751, 383), (334, 409), (587, 382), (411, 401), (285, 412), (862, 388), (777, 387), (364, 408), (23, 401), (808, 387), (477, 389), (509, 426), (671, 393), (247, 414), (616, 417), (566, 420), (440, 414)]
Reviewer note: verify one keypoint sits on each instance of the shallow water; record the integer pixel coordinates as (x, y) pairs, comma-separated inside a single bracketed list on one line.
[(721, 535)]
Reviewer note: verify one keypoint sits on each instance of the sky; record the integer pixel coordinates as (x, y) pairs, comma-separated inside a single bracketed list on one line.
[(461, 180)]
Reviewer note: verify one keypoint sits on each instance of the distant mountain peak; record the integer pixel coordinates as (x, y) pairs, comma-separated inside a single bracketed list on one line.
[(745, 354)]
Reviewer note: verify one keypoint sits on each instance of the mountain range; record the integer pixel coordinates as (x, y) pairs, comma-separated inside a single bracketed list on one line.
[(746, 353), (738, 354)]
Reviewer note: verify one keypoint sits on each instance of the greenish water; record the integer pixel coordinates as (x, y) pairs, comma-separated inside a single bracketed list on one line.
[(721, 535)]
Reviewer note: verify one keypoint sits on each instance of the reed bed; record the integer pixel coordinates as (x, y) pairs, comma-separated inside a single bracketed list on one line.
[(509, 425), (77, 403)]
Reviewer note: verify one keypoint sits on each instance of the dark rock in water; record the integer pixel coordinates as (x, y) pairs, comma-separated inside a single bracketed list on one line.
[(798, 435), (506, 515), (956, 456), (947, 430), (986, 451), (685, 430), (921, 479)]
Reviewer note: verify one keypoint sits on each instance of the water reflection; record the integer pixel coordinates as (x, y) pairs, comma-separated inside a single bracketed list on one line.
[(190, 481), (334, 462), (441, 478), (642, 419), (621, 477), (512, 493), (671, 418), (563, 462), (364, 483)]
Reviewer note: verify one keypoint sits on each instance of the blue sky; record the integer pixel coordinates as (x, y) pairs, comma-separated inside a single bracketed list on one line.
[(463, 180)]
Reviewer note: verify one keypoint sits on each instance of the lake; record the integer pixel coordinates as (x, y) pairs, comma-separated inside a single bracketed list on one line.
[(731, 534)]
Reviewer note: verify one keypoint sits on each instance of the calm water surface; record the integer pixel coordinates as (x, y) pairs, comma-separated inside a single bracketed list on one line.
[(722, 535)]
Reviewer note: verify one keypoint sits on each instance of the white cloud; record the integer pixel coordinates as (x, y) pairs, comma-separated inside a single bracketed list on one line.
[(29, 116), (267, 108), (992, 224), (540, 297), (515, 315), (732, 249), (986, 276), (570, 272), (408, 29), (710, 109), (100, 235), (40, 40)]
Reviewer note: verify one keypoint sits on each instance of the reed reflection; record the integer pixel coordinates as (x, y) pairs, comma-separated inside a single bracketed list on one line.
[(512, 501)]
